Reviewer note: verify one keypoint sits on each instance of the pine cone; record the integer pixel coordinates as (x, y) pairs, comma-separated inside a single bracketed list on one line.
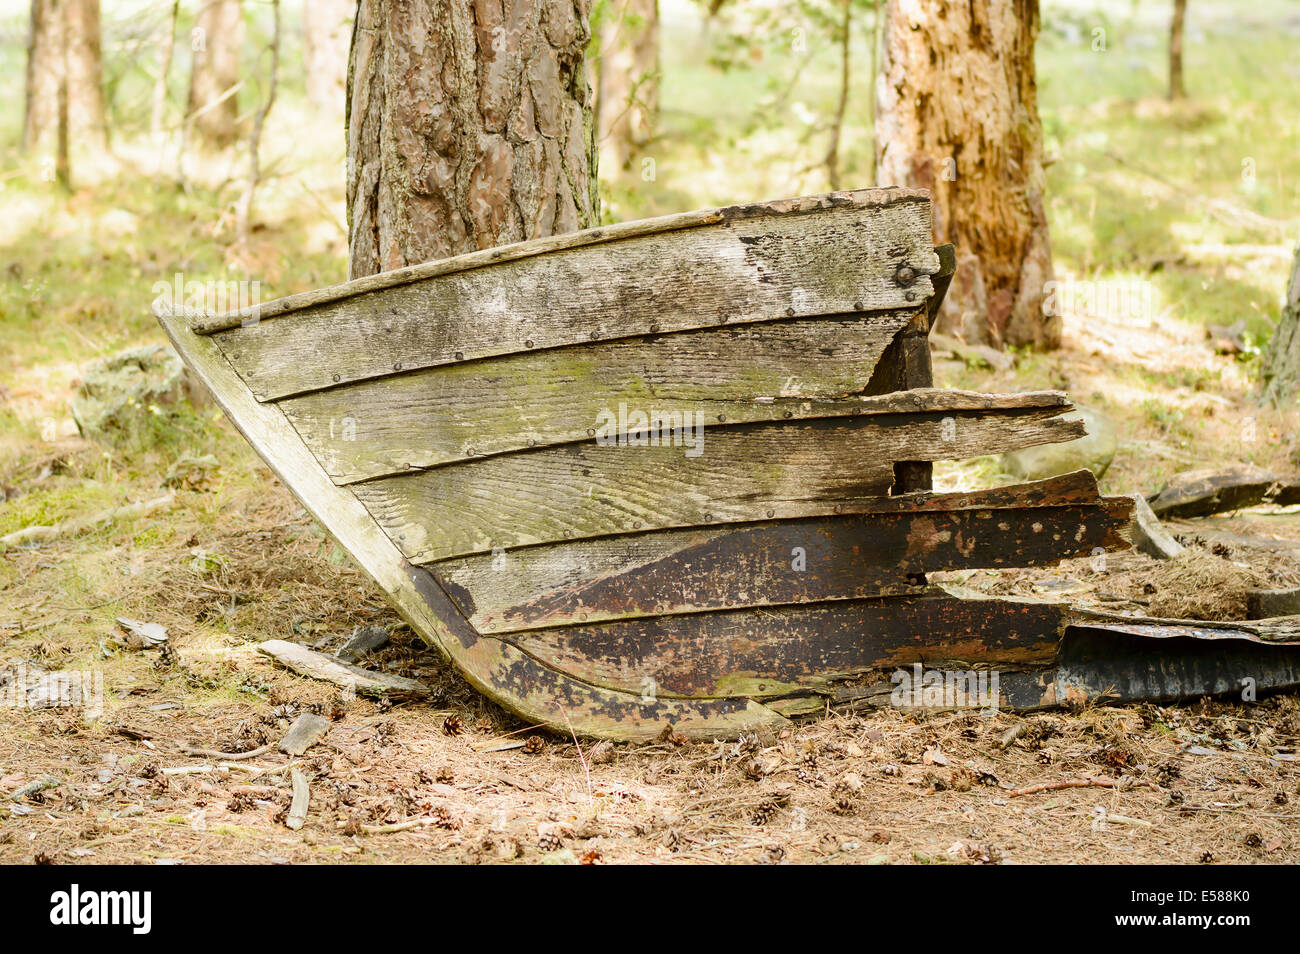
[(453, 725), (549, 841), (535, 745)]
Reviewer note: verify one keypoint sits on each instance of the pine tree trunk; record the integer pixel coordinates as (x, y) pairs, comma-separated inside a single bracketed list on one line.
[(1176, 88), (627, 84), (327, 35), (469, 126), (64, 99), (216, 43), (957, 113)]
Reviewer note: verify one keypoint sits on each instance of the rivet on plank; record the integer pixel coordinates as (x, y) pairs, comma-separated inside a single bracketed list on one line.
[(906, 275)]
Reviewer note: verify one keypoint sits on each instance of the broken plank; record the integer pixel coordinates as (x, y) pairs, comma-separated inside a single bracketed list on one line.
[(308, 662), (473, 409), (306, 731), (842, 259), (808, 560), (747, 472), (1200, 493), (775, 651), (1265, 604)]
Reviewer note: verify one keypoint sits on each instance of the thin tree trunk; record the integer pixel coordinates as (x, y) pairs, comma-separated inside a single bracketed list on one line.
[(957, 114), (837, 127), (64, 96), (1282, 358), (245, 213), (326, 35), (216, 42), (469, 126), (1176, 88), (166, 47), (627, 80)]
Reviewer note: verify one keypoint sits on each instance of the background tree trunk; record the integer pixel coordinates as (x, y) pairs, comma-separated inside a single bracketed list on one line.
[(216, 42), (64, 99), (469, 125), (327, 35), (627, 84), (957, 113), (1282, 359), (1176, 88)]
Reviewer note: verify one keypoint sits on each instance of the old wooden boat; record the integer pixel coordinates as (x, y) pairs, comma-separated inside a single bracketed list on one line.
[(669, 473)]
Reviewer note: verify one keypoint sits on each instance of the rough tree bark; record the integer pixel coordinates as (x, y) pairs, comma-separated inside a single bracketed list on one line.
[(326, 36), (627, 80), (957, 113), (64, 100), (469, 125), (1176, 88), (217, 41), (1282, 359)]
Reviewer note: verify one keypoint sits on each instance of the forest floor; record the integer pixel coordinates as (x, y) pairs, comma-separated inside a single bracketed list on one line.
[(234, 560)]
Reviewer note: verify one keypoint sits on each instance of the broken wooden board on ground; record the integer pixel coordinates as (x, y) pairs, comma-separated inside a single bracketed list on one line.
[(1149, 536), (1200, 493), (1266, 604), (306, 731), (308, 662)]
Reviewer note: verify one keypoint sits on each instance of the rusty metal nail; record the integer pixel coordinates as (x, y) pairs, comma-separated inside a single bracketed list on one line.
[(789, 312), (528, 343), (460, 355), (722, 417), (789, 414), (771, 513), (910, 296), (636, 524), (336, 377), (591, 432), (905, 275), (397, 366)]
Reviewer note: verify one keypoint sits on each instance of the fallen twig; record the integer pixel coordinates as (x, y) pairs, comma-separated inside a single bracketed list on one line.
[(227, 756), (81, 524), (1057, 786)]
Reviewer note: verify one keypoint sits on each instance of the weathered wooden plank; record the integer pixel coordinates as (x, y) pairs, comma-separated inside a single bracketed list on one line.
[(809, 560), (1200, 493), (778, 650), (500, 671), (207, 324), (438, 415), (847, 258), (745, 472)]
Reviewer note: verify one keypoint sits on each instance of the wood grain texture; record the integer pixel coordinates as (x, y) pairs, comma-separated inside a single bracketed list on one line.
[(810, 560), (440, 415), (840, 259), (500, 671), (745, 472), (779, 650), (207, 324)]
